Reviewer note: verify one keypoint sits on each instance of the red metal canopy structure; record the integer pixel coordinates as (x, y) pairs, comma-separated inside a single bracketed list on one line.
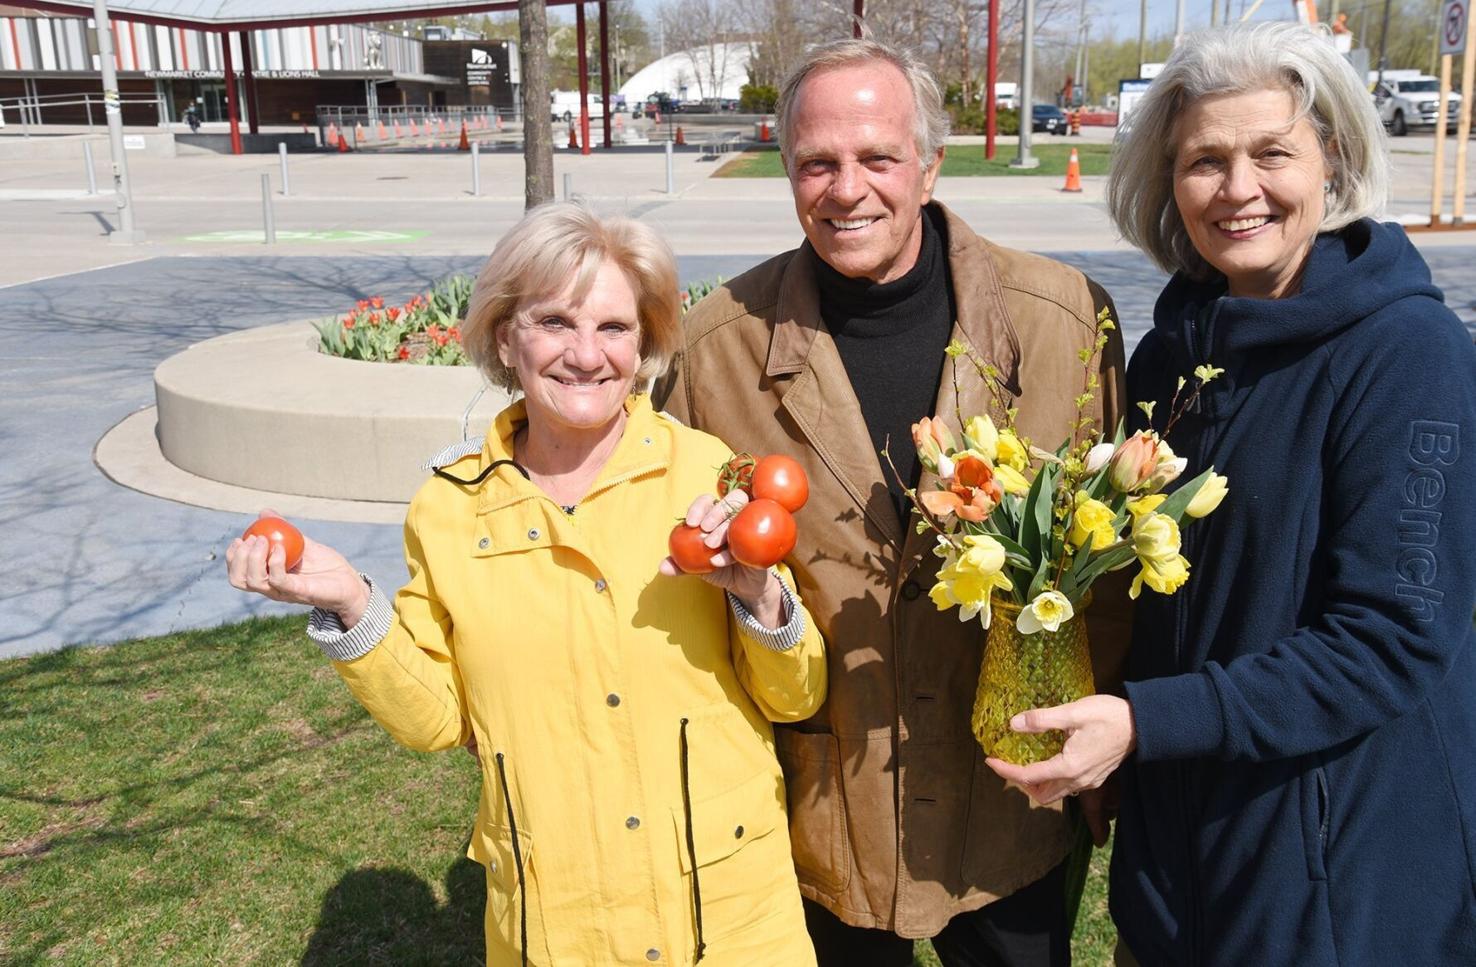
[(224, 16)]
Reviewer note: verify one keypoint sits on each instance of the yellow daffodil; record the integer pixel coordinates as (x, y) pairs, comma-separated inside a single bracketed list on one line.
[(1164, 576), (1047, 612), (1010, 452), (981, 436), (1092, 521), (970, 579), (1211, 492), (1147, 504), (1012, 480)]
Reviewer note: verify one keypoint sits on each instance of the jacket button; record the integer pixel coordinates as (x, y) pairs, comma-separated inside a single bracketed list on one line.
[(600, 586), (911, 590), (738, 833), (484, 543), (612, 700), (533, 534), (633, 823), (653, 954)]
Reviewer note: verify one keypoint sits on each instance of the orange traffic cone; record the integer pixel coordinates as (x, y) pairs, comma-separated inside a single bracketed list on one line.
[(573, 139), (465, 145), (343, 147), (764, 130), (397, 130), (441, 125), (380, 131), (499, 122), (358, 134), (680, 137), (331, 138), (1073, 173)]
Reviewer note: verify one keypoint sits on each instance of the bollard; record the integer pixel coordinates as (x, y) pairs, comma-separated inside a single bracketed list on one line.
[(670, 172), (282, 156), (91, 175), (568, 187), (476, 150), (269, 225)]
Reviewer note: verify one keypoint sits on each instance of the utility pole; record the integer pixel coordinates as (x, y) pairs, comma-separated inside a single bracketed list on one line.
[(1214, 13), (1142, 34), (125, 233), (1024, 159), (1383, 37), (1178, 22)]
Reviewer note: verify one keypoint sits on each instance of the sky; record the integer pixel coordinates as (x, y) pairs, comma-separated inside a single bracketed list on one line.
[(1123, 14)]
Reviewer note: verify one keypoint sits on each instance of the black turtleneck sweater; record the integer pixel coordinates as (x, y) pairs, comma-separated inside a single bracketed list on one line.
[(891, 338)]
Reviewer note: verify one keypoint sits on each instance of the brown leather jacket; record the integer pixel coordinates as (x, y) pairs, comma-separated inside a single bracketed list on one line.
[(895, 820)]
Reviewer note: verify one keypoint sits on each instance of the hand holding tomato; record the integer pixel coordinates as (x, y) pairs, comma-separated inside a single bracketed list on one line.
[(322, 578), (713, 517)]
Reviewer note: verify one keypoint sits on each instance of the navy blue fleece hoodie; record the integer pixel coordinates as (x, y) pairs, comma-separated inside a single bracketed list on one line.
[(1304, 787)]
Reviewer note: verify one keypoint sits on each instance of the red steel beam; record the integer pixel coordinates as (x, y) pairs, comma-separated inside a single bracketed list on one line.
[(233, 112), (248, 77), (607, 95), (221, 26), (582, 41)]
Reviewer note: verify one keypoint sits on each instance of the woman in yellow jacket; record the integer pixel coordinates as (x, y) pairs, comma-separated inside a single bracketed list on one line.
[(632, 810)]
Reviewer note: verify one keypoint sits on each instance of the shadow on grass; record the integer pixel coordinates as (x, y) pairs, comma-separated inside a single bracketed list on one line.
[(390, 916)]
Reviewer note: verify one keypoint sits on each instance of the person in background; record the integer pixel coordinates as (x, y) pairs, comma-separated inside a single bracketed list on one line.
[(632, 810), (1297, 744)]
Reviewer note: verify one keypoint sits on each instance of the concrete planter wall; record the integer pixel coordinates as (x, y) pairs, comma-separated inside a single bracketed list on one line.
[(262, 408)]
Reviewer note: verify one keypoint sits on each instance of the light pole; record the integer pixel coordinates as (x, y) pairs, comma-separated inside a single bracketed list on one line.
[(1024, 159), (125, 233)]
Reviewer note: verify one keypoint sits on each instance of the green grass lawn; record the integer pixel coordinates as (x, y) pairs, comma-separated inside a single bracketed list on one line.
[(218, 797), (965, 160)]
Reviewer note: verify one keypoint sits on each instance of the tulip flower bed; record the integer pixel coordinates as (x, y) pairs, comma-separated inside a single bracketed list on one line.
[(427, 329)]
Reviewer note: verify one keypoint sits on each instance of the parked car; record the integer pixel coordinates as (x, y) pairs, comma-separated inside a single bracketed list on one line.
[(1409, 99), (1049, 118)]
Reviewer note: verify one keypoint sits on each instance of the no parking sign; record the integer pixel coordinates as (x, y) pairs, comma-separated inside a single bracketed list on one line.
[(1453, 17)]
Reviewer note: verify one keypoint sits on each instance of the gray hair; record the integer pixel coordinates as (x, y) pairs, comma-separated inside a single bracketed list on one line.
[(930, 116), (1235, 60)]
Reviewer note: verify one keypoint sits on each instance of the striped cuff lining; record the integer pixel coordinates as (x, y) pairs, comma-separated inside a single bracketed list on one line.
[(340, 644), (774, 639)]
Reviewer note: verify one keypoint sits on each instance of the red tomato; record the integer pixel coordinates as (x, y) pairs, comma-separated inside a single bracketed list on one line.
[(782, 480), (762, 534), (687, 549), (736, 474), (278, 531)]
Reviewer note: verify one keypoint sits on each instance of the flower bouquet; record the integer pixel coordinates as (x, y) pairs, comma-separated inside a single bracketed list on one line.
[(1024, 532)]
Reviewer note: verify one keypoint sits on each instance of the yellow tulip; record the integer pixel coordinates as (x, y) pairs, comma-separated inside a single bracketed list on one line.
[(1211, 492), (981, 437), (1155, 538), (1141, 506), (1092, 522)]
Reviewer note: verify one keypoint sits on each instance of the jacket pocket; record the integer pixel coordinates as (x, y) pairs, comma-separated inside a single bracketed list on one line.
[(1316, 820), (507, 875), (818, 831), (743, 870)]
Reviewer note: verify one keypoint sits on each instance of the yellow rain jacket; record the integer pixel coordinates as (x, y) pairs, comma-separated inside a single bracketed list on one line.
[(622, 717)]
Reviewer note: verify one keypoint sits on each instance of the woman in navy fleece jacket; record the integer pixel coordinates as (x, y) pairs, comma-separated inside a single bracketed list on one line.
[(1298, 739)]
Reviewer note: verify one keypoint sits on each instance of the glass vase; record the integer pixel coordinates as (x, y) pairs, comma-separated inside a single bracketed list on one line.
[(1021, 672)]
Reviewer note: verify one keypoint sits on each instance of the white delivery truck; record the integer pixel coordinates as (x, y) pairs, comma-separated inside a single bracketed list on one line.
[(1408, 99), (564, 106)]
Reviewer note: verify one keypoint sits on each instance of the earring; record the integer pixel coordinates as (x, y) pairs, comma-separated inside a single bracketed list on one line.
[(1326, 187)]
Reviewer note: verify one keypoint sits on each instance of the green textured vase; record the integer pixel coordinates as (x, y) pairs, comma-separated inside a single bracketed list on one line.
[(1021, 672)]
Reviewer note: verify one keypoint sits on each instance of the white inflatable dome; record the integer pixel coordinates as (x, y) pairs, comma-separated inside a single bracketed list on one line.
[(685, 74)]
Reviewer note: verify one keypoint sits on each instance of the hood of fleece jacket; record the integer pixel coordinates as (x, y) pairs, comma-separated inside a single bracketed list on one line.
[(1351, 274)]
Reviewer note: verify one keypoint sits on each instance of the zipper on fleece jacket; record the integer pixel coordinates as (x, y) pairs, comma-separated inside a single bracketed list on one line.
[(1199, 344)]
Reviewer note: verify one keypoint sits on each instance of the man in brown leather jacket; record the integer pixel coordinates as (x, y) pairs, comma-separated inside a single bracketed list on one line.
[(828, 353)]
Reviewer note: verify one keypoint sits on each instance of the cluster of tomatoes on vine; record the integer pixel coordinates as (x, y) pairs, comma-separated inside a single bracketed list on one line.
[(763, 532)]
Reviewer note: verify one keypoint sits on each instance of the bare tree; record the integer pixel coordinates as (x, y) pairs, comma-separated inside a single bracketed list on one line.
[(538, 177), (702, 30)]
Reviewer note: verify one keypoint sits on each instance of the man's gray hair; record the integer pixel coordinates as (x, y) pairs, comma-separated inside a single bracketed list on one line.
[(930, 116), (1240, 59)]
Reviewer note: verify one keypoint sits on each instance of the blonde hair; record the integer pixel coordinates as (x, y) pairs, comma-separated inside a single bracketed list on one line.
[(560, 242), (931, 118), (1240, 59)]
